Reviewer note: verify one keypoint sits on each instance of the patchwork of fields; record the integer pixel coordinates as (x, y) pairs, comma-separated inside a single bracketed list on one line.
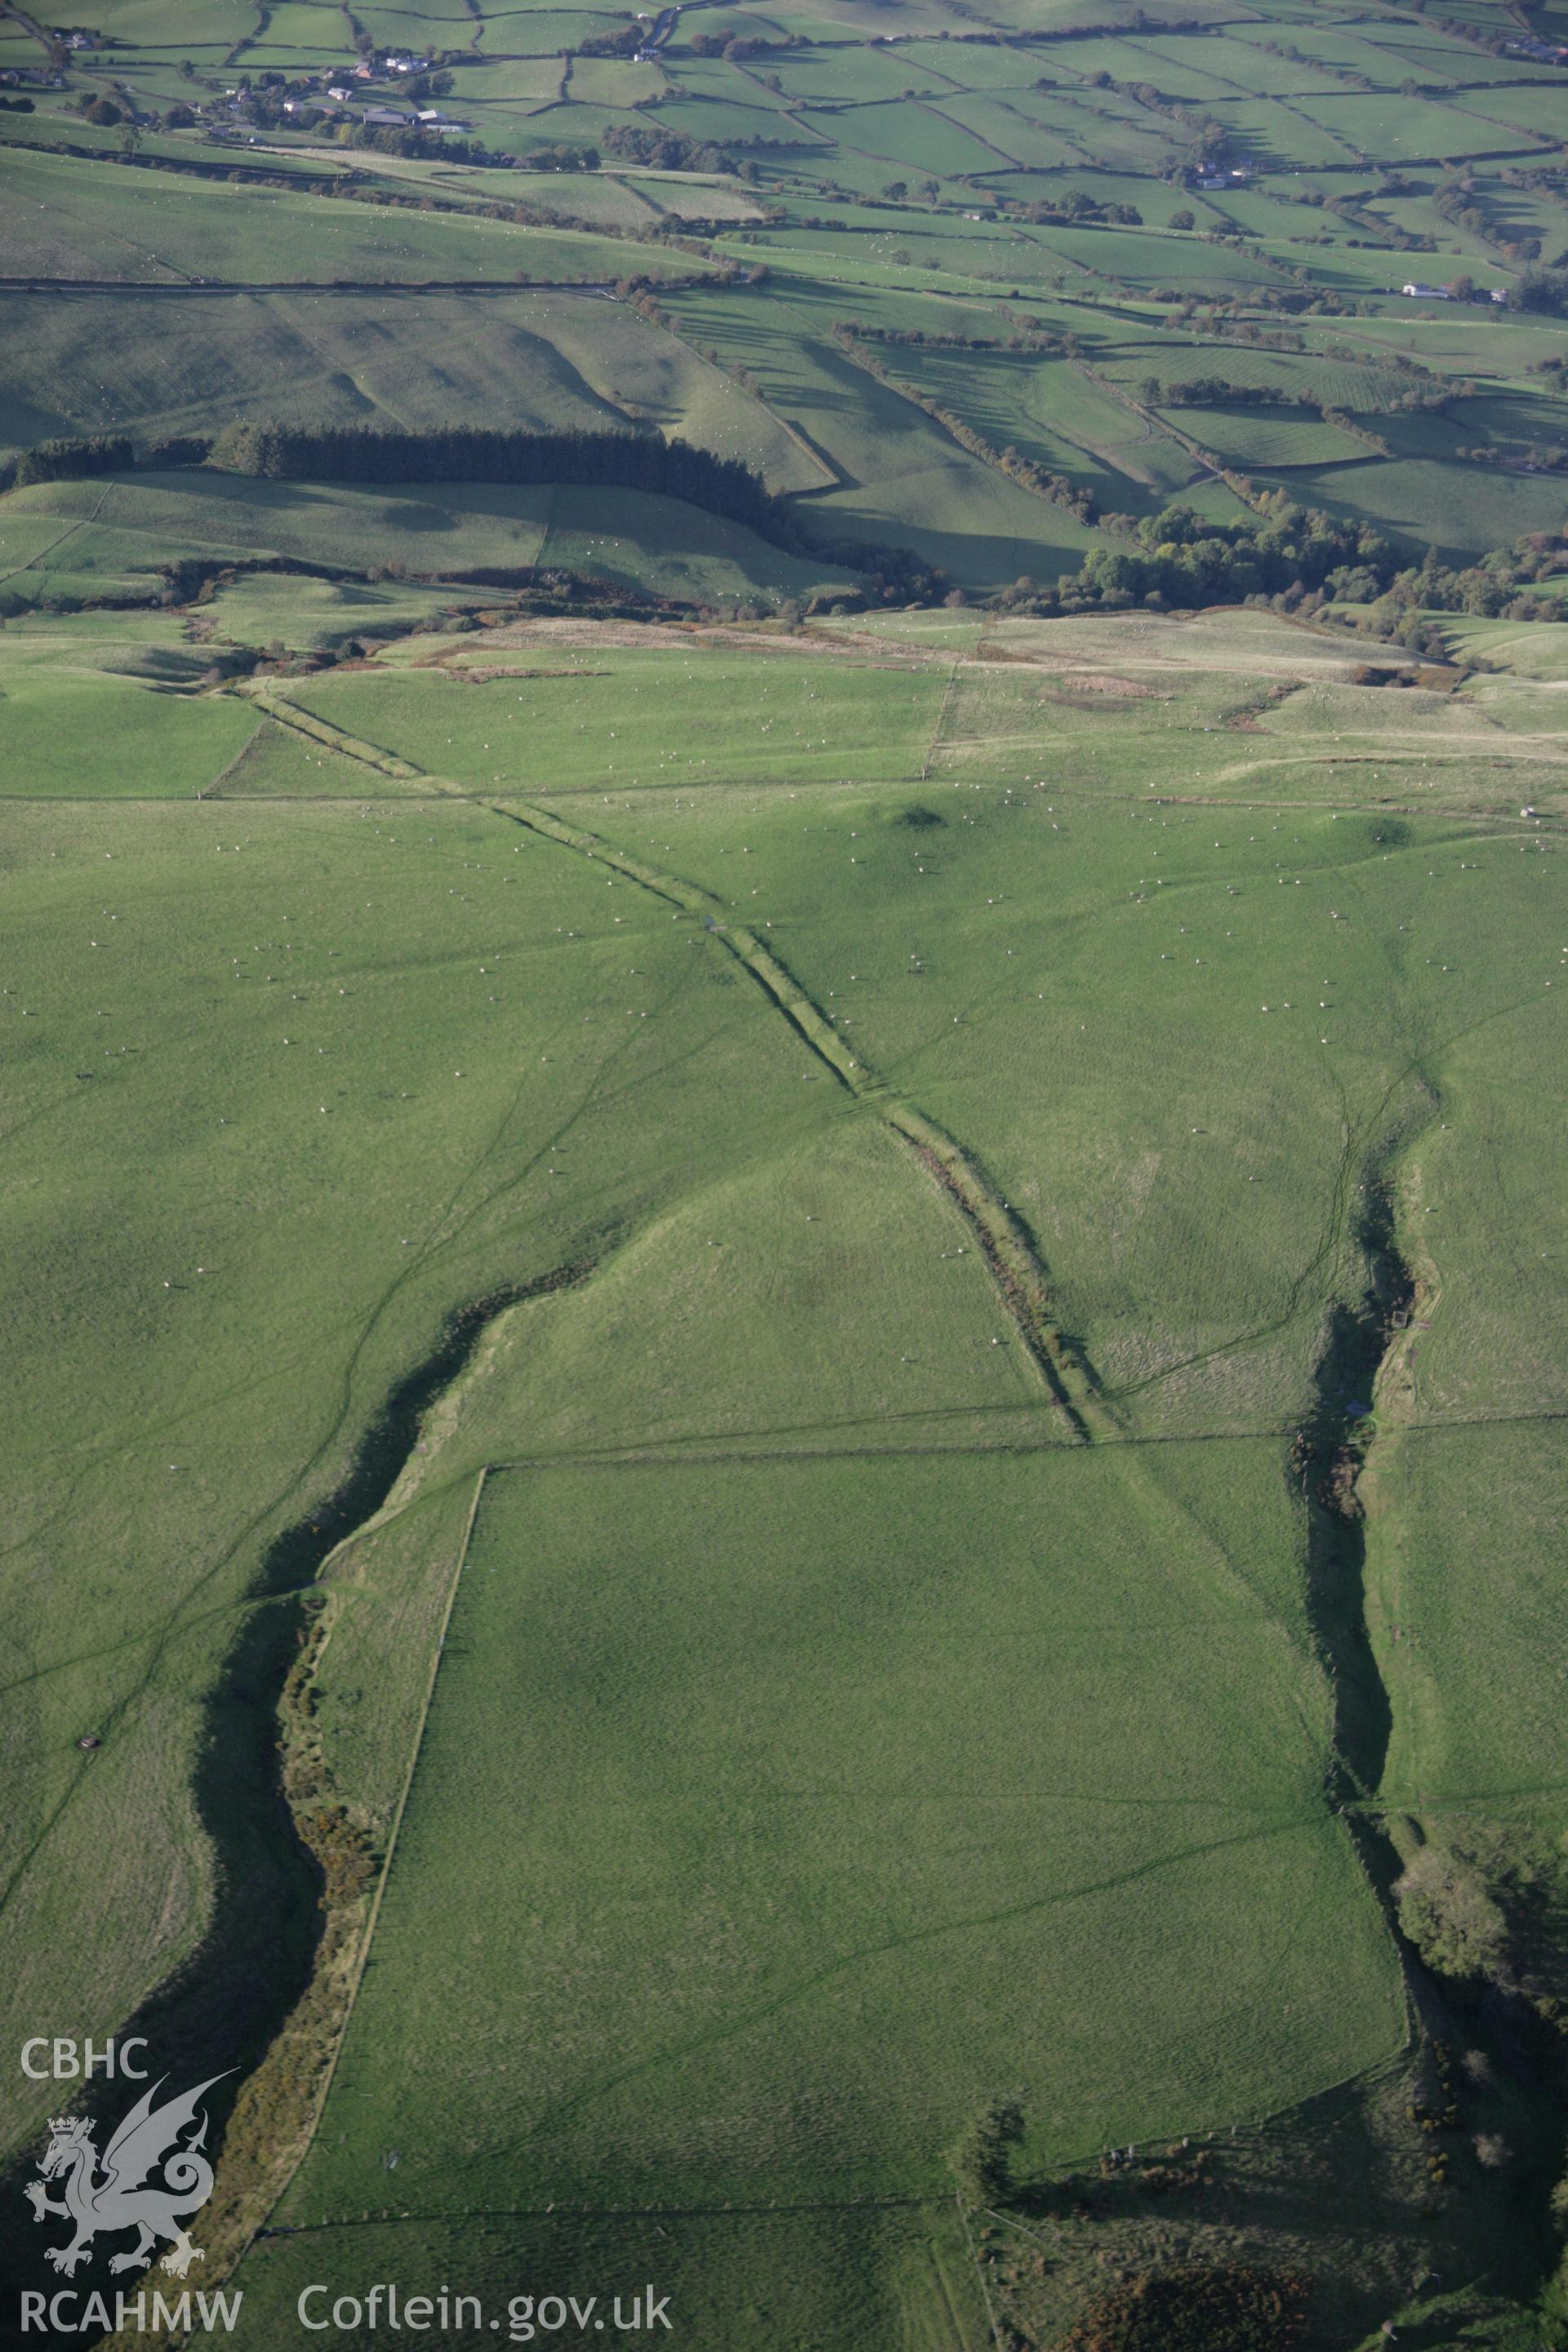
[(1240, 200), (784, 1300)]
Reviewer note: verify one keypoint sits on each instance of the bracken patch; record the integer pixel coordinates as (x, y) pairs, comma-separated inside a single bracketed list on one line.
[(1197, 2310)]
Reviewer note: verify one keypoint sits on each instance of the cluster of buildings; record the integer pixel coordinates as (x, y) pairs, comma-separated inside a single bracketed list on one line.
[(345, 99), (1544, 53), (402, 118), (1419, 293)]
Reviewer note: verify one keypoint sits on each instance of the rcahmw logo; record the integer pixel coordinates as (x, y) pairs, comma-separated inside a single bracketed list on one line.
[(147, 2179)]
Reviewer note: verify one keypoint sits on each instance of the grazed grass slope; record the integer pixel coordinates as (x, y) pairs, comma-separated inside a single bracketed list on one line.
[(882, 1678), (62, 543), (1171, 1488)]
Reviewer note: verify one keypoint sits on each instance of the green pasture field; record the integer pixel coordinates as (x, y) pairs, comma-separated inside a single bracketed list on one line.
[(672, 550), (1107, 129), (822, 2278), (1531, 649), (159, 752), (1536, 110), (1224, 64), (918, 1108), (1413, 128), (264, 608), (1477, 1669), (81, 220), (250, 971), (716, 81), (881, 253), (923, 136), (1205, 1346), (654, 377), (822, 2058), (549, 1680), (1122, 58), (742, 114), (1335, 383), (307, 24), (494, 86), (409, 358), (278, 764), (690, 195), (1376, 48), (1020, 133), (526, 357), (855, 78), (1372, 272), (1462, 510), (966, 267), (176, 24), (1054, 414), (903, 476), (1467, 1633), (124, 528), (1518, 214), (712, 714), (56, 127), (1279, 135), (80, 538), (512, 32), (1455, 339), (996, 727), (1268, 437), (1519, 414), (1156, 200), (1251, 208), (1423, 436), (1151, 260)]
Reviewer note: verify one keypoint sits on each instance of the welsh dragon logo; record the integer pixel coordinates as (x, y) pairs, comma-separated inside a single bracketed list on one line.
[(121, 2189)]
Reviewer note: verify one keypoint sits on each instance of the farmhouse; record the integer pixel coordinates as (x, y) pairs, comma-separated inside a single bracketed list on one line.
[(1427, 293)]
